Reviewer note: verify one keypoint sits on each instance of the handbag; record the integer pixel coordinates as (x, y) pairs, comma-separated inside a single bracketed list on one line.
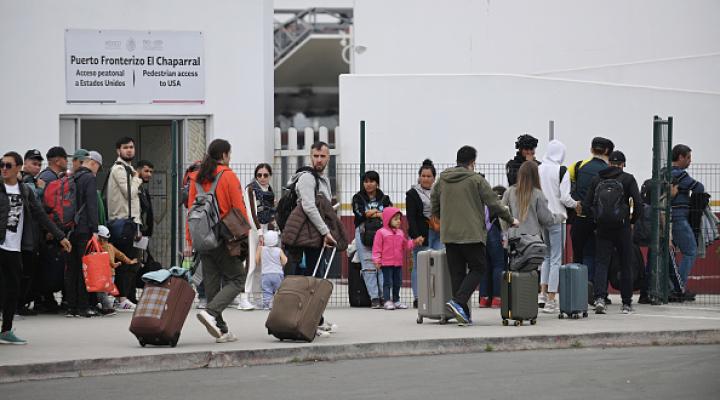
[(235, 231), (96, 269)]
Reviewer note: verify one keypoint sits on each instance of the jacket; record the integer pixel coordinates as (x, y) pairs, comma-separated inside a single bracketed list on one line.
[(301, 232), (584, 176), (417, 223), (686, 184), (115, 255), (146, 212), (86, 186), (305, 188), (34, 214), (538, 217), (390, 244), (556, 191), (512, 167), (117, 192), (630, 188), (459, 198), (360, 203)]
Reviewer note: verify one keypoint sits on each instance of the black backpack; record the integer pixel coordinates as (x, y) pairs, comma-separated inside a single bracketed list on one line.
[(289, 199), (610, 207)]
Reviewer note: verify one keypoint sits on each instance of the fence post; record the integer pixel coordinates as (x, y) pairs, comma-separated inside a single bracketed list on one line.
[(659, 255), (362, 150)]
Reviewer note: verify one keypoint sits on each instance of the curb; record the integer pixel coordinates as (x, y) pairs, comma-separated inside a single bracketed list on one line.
[(243, 358)]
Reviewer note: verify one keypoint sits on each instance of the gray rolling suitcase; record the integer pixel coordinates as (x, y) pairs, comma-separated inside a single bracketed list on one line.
[(518, 293), (573, 291), (434, 288)]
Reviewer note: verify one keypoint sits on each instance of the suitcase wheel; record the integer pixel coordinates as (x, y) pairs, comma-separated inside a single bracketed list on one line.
[(174, 341), (585, 314), (505, 322), (517, 323), (533, 321), (419, 320), (561, 316), (576, 316)]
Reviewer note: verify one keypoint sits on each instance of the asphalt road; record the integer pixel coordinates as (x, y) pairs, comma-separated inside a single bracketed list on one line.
[(684, 372)]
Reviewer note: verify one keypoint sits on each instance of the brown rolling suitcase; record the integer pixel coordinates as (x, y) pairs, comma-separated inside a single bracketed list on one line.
[(161, 312), (299, 304)]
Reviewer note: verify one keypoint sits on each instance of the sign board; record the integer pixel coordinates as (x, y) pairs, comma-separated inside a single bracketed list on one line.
[(155, 67)]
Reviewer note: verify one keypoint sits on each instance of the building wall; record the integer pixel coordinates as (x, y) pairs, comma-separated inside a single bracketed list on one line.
[(238, 69)]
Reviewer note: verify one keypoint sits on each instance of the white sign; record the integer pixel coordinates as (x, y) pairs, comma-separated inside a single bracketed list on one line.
[(134, 67)]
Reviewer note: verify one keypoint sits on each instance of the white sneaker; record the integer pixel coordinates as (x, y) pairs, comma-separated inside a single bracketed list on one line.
[(226, 338), (328, 327), (210, 324), (400, 306), (125, 306), (202, 304), (550, 307), (322, 333), (542, 299), (389, 305), (245, 305)]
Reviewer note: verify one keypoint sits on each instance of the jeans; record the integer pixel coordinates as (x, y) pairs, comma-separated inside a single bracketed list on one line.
[(219, 265), (434, 243), (607, 242), (550, 269), (373, 279), (684, 240), (583, 243), (392, 278), (466, 263), (496, 260), (10, 271), (270, 285)]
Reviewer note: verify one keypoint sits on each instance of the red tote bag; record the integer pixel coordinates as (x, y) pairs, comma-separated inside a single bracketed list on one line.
[(96, 269)]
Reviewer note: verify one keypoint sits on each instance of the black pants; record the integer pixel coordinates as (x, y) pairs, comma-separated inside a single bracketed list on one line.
[(29, 278), (607, 242), (466, 263), (125, 275), (11, 269), (75, 292), (295, 256)]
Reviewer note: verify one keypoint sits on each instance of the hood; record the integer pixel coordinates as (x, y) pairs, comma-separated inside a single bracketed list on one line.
[(456, 174), (610, 172), (555, 153), (271, 238), (387, 215)]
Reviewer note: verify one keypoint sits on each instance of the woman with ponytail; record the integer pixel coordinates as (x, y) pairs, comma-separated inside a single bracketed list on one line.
[(218, 263)]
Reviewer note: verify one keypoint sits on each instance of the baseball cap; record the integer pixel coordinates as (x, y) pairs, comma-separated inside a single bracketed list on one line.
[(56, 151), (617, 156), (33, 154), (95, 156), (80, 154)]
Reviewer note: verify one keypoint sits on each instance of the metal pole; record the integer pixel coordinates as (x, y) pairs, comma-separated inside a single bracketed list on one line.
[(174, 201), (552, 130), (362, 148)]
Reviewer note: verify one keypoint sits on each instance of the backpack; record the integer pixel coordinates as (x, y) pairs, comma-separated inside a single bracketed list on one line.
[(60, 200), (289, 199), (369, 229), (204, 218), (610, 207), (527, 252)]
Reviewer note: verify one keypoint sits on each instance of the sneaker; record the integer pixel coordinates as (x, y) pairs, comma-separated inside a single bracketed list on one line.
[(550, 307), (484, 302), (210, 324), (676, 297), (245, 305), (389, 305), (26, 312), (607, 301), (9, 337), (226, 338), (235, 302), (328, 327), (542, 299), (322, 333), (400, 306), (496, 302), (687, 296), (457, 309), (627, 309), (202, 304), (71, 313), (108, 312), (375, 303), (644, 299), (599, 306), (86, 314), (125, 306), (415, 304)]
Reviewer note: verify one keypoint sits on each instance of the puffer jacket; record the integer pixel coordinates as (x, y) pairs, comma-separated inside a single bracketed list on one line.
[(34, 214), (301, 232), (390, 244)]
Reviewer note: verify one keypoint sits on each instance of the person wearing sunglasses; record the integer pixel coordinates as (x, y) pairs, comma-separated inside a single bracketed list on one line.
[(19, 208), (260, 203)]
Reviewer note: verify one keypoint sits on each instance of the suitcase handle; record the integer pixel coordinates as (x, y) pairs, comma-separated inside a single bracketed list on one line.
[(329, 262), (432, 285)]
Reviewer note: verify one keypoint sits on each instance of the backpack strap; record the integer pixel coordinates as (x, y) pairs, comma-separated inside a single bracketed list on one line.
[(563, 170), (200, 189)]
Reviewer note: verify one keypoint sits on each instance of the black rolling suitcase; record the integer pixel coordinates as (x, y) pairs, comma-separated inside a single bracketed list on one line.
[(357, 291)]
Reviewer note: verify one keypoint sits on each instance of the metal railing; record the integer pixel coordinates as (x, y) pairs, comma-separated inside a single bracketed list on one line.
[(290, 34)]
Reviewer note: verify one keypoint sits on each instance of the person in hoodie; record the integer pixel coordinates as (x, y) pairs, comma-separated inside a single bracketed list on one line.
[(459, 198), (368, 205), (614, 226), (555, 184), (388, 252)]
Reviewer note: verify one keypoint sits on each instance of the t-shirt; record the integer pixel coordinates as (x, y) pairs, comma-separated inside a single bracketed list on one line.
[(271, 260), (16, 217)]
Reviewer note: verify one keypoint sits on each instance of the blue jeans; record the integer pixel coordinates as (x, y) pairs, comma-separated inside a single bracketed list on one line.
[(373, 279), (434, 243), (392, 278), (550, 269), (270, 285), (684, 240), (495, 255)]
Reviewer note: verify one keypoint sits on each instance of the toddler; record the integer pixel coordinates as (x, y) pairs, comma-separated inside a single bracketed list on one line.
[(271, 258)]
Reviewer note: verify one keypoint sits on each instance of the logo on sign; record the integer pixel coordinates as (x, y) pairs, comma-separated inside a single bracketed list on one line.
[(130, 45)]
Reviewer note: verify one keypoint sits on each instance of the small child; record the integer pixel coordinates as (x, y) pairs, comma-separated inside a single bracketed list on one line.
[(123, 303), (388, 253), (271, 258)]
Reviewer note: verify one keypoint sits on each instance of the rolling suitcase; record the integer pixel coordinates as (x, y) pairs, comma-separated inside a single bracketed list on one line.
[(299, 304), (518, 292), (434, 289), (357, 291), (161, 312), (573, 291)]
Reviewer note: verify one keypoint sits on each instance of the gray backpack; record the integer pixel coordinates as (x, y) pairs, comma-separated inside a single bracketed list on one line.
[(204, 219)]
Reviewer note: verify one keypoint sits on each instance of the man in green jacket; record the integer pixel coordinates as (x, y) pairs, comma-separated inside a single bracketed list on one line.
[(459, 199)]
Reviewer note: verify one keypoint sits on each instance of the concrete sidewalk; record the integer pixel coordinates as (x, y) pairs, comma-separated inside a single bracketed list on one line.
[(61, 347)]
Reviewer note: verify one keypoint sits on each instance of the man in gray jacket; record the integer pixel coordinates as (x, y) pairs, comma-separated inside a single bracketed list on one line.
[(459, 199)]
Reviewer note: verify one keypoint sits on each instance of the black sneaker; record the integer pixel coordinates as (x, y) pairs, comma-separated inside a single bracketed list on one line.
[(687, 296), (676, 297), (607, 301), (86, 314), (25, 312), (627, 309), (645, 299), (415, 304), (599, 306), (71, 313), (375, 303)]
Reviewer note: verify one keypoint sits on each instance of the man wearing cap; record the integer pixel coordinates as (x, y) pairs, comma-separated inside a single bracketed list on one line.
[(78, 157), (57, 167), (583, 227), (613, 187)]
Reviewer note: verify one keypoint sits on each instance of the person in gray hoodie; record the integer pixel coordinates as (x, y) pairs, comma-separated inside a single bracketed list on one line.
[(459, 199)]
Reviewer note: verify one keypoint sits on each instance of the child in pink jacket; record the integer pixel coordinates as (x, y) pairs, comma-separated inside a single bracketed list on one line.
[(388, 252)]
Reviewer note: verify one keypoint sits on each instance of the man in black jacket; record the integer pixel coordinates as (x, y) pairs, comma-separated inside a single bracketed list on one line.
[(86, 227), (525, 145), (614, 202), (19, 209)]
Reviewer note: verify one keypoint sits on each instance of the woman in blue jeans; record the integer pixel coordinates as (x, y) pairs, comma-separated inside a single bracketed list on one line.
[(417, 203), (496, 259)]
